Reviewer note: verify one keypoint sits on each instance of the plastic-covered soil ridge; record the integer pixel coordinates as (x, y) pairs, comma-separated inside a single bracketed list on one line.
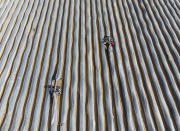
[(134, 86)]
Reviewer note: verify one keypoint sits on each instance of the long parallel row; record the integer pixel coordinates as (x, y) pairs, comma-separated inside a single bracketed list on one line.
[(134, 85)]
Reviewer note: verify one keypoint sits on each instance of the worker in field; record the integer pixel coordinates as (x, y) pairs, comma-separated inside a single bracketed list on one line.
[(108, 41), (55, 86)]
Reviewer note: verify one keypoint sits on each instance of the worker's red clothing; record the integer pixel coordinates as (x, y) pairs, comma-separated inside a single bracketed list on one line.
[(112, 43)]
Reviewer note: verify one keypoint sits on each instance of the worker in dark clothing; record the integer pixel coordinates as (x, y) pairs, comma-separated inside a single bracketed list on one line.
[(108, 41), (55, 86)]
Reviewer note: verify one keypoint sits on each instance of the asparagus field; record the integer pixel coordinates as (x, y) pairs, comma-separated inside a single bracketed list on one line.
[(132, 84)]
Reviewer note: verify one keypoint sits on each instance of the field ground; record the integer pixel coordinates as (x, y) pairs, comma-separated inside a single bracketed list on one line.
[(134, 85)]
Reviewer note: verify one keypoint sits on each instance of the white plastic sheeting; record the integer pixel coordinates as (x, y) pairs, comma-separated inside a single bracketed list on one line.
[(133, 86)]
